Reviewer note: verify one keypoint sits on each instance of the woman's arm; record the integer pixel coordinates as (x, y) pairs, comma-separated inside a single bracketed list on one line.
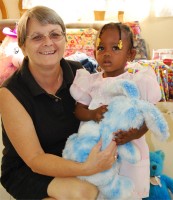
[(84, 114), (22, 134)]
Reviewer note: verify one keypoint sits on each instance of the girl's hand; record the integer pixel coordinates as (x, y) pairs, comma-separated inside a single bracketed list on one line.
[(98, 160), (97, 114), (122, 137)]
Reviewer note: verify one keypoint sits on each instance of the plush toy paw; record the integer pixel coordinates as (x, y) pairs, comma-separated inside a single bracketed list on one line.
[(118, 188), (78, 146)]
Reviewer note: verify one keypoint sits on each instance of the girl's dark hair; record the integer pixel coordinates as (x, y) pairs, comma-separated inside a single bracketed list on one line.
[(121, 28)]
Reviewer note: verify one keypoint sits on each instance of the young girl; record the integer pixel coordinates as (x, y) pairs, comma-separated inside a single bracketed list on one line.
[(114, 48)]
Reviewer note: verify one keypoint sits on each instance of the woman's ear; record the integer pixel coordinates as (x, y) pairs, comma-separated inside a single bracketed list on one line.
[(132, 54)]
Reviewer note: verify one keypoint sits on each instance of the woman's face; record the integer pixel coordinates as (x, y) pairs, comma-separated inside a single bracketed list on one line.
[(44, 45), (110, 58)]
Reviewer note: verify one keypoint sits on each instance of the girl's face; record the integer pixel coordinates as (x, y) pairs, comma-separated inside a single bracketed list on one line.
[(110, 58), (44, 45)]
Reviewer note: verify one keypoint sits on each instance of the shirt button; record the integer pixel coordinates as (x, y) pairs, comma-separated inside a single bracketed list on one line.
[(56, 100)]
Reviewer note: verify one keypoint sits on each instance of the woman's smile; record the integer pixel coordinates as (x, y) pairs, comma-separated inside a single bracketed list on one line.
[(47, 52)]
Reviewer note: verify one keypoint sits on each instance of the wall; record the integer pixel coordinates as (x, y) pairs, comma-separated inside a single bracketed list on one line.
[(12, 9), (157, 32)]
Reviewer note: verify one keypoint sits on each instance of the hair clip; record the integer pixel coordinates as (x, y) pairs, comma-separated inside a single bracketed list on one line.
[(97, 42), (120, 44)]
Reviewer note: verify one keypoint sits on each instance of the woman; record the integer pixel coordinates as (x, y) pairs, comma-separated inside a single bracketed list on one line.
[(37, 117)]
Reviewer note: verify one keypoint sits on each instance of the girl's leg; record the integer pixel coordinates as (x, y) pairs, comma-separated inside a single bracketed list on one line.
[(72, 189)]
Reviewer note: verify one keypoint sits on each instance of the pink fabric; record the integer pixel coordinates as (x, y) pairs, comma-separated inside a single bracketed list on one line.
[(88, 86), (140, 174)]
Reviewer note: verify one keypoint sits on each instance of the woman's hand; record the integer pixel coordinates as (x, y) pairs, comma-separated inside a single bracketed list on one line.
[(122, 137), (98, 160)]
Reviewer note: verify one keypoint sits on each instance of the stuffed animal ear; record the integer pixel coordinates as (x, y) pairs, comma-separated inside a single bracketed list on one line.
[(120, 87), (154, 120), (130, 89), (161, 153)]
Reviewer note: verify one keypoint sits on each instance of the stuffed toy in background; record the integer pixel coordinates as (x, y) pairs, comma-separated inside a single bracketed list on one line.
[(89, 63), (160, 184), (125, 111), (11, 56)]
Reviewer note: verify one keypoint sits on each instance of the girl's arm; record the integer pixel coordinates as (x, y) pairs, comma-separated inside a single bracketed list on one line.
[(123, 137), (84, 114)]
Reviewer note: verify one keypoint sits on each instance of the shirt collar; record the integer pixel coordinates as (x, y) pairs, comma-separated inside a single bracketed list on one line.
[(35, 88)]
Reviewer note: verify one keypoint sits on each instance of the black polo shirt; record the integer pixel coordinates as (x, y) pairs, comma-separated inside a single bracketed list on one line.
[(53, 116)]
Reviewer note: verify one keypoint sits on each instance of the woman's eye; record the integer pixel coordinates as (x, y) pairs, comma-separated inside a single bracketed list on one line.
[(100, 48), (55, 35), (38, 37)]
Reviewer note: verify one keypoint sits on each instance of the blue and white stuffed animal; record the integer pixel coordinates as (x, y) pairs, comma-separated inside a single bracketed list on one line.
[(160, 184), (125, 111)]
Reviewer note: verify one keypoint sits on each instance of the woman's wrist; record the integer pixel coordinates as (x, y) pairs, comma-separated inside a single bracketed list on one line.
[(86, 169)]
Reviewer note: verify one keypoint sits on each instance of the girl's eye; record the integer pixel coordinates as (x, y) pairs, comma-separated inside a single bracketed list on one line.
[(115, 48), (100, 48)]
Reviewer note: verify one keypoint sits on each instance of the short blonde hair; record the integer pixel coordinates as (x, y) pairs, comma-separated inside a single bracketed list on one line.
[(43, 14)]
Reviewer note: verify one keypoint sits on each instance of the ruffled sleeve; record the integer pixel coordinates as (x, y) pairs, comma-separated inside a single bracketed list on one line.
[(148, 85), (80, 88)]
